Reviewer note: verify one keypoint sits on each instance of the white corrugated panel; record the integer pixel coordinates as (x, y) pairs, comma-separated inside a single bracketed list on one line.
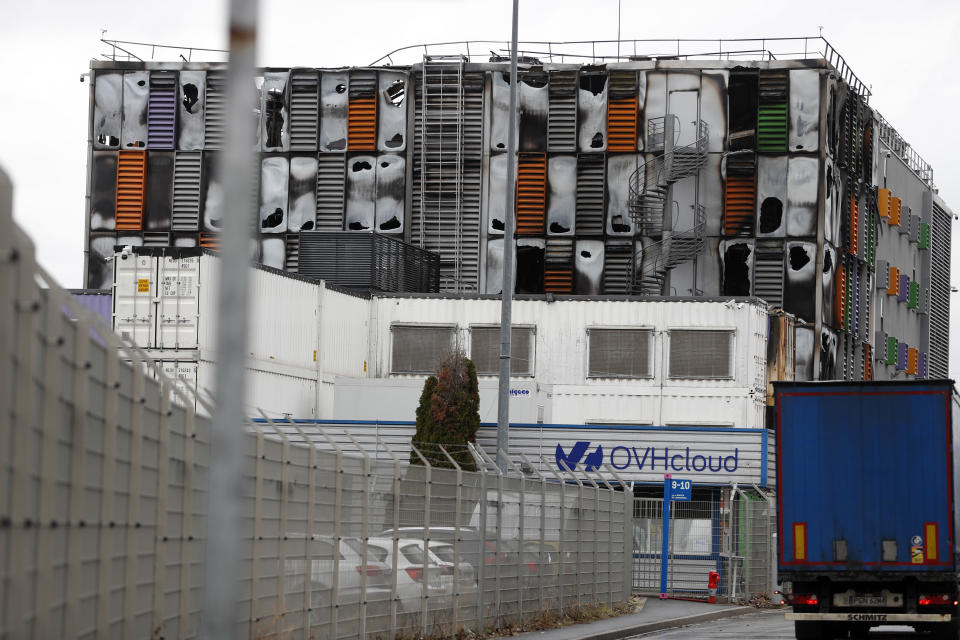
[(134, 282), (345, 334), (276, 395)]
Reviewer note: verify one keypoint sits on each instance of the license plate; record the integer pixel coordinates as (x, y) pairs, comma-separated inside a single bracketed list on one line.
[(868, 601)]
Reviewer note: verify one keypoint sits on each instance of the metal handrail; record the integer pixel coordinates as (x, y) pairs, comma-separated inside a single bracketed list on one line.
[(670, 252), (572, 51), (124, 47)]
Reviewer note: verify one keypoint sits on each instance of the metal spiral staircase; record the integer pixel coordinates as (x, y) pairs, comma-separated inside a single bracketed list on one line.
[(649, 189)]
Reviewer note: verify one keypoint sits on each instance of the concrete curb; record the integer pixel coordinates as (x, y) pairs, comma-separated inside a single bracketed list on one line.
[(660, 625)]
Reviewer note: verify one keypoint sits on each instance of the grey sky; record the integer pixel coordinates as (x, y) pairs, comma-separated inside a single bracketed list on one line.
[(906, 51)]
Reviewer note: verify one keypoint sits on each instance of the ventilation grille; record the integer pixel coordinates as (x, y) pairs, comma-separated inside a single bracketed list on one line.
[(156, 239), (562, 118), (215, 110), (162, 111), (210, 241), (559, 251), (558, 280), (292, 259), (330, 189), (772, 113), (471, 131), (362, 113), (739, 205), (854, 225), (618, 268), (304, 111), (186, 191), (131, 188), (940, 294), (531, 194), (768, 273), (622, 124), (590, 188)]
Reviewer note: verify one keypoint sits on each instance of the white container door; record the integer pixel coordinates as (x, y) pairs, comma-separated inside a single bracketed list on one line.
[(179, 302), (135, 286)]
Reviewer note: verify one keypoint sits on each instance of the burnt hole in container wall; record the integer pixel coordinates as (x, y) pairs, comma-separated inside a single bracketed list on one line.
[(556, 227), (536, 80), (594, 83), (771, 215), (111, 141), (190, 96), (274, 125), (736, 270), (497, 224), (274, 219), (798, 258), (395, 141), (529, 269), (597, 141), (827, 260), (392, 223), (363, 165), (585, 254), (307, 226), (358, 226), (141, 83), (619, 225), (395, 93), (341, 88)]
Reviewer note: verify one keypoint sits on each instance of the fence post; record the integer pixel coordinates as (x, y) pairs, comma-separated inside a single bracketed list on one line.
[(482, 562), (610, 493), (627, 532), (502, 455), (396, 526), (284, 509), (133, 503), (560, 551), (497, 544), (596, 533), (337, 522), (543, 527), (364, 533), (424, 595), (579, 533), (456, 539), (257, 530), (163, 467), (308, 533)]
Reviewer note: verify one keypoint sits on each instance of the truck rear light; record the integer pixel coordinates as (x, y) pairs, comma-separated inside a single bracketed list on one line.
[(926, 600), (804, 599)]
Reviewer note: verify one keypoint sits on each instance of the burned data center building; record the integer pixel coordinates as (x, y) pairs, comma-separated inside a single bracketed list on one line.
[(636, 176)]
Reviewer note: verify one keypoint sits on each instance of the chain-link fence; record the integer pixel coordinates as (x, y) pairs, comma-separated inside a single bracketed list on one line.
[(732, 534), (104, 477)]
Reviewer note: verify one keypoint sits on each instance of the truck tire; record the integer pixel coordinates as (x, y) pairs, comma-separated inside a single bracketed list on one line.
[(808, 630)]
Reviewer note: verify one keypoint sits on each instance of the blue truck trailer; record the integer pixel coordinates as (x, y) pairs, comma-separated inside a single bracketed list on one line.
[(866, 517)]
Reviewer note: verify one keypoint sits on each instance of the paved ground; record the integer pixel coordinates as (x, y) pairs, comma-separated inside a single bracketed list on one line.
[(655, 615)]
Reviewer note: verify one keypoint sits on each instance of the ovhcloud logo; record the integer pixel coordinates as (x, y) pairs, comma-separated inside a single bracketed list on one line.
[(568, 461)]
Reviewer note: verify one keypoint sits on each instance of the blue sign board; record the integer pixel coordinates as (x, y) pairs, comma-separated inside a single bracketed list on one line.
[(680, 489)]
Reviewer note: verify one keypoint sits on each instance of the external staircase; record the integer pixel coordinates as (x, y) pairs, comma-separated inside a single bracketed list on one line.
[(648, 201)]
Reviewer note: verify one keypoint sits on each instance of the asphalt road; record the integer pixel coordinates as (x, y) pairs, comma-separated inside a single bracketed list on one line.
[(764, 625)]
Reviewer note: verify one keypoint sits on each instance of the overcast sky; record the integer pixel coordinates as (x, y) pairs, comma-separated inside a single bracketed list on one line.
[(908, 52)]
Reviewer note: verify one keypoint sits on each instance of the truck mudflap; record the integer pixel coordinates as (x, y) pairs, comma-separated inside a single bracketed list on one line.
[(880, 618)]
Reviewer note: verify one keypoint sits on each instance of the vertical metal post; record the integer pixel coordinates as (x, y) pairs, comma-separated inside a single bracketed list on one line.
[(482, 561), (308, 538), (579, 533), (364, 534), (502, 455), (257, 529), (560, 550), (596, 555), (396, 539), (543, 529), (665, 535), (337, 524), (456, 538), (163, 481), (627, 572), (506, 298), (78, 445), (223, 551), (133, 502), (425, 585)]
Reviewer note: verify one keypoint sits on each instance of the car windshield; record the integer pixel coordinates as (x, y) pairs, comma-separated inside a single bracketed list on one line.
[(413, 553), (444, 552), (374, 552)]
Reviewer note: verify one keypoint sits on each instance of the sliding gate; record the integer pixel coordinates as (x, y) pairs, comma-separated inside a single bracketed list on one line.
[(732, 534)]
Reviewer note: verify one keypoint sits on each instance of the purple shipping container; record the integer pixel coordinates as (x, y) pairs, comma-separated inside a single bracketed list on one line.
[(922, 365), (99, 301), (902, 356), (904, 288)]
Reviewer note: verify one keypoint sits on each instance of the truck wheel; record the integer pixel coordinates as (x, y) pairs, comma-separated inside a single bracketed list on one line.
[(808, 630)]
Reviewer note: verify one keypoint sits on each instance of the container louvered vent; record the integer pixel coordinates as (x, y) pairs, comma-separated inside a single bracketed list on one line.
[(618, 267), (131, 189), (214, 120), (304, 111), (622, 111), (562, 115), (471, 180), (559, 251), (558, 279), (186, 191), (531, 194), (768, 272), (156, 239), (590, 194), (362, 112), (210, 241), (292, 258), (772, 112), (330, 188), (740, 195), (162, 110), (940, 294)]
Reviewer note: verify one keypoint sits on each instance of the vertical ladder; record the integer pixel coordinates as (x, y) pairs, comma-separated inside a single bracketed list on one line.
[(441, 165)]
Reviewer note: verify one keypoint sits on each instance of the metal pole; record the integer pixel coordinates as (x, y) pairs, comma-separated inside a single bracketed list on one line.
[(506, 298), (223, 554)]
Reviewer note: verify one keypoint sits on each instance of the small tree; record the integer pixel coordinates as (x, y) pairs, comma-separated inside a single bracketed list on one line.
[(449, 413)]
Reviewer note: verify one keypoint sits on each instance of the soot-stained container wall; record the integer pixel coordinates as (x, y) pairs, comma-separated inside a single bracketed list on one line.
[(190, 110)]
